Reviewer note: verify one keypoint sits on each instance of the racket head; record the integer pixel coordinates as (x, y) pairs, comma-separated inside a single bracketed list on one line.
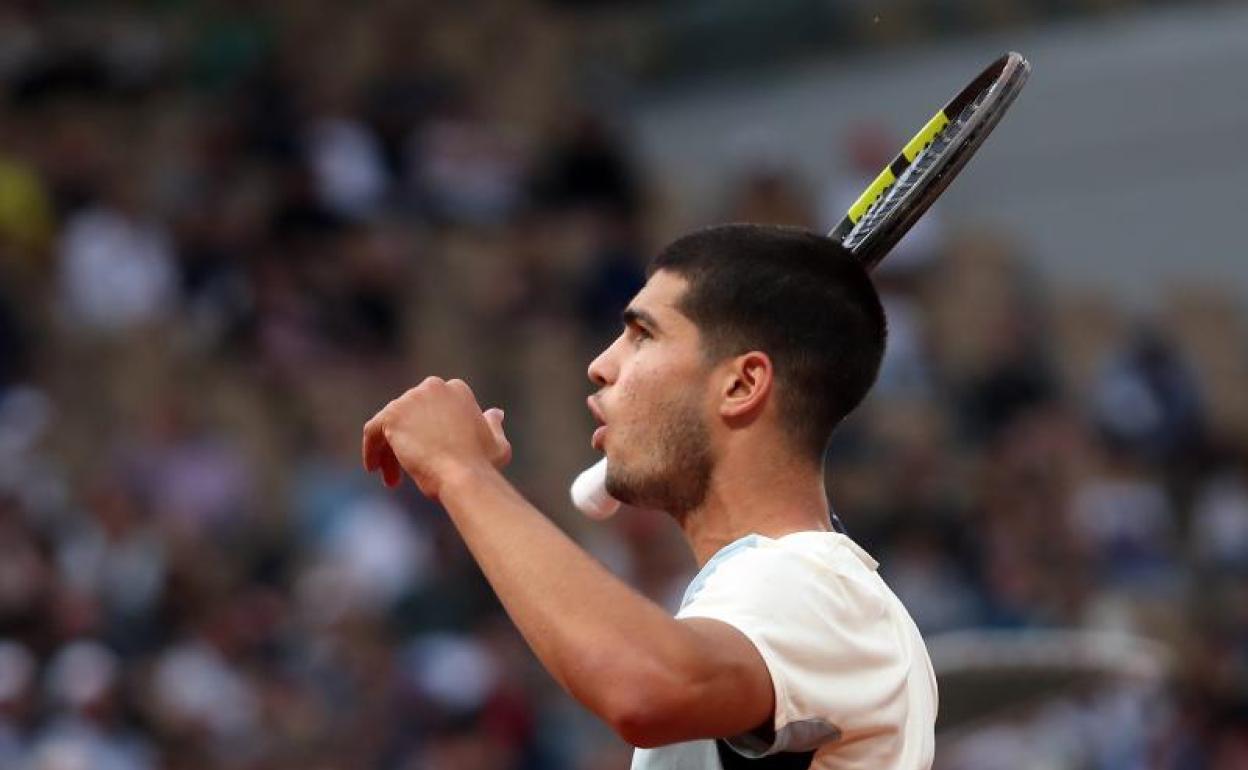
[(907, 187)]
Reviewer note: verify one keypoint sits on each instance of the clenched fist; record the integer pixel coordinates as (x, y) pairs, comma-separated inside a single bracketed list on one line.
[(433, 431)]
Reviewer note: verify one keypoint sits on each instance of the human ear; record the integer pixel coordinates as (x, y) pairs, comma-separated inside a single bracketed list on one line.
[(746, 384)]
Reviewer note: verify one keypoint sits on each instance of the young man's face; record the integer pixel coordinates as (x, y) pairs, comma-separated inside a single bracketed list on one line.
[(654, 398)]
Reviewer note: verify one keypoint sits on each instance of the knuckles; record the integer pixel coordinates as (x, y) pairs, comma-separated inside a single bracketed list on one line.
[(432, 395), (429, 387)]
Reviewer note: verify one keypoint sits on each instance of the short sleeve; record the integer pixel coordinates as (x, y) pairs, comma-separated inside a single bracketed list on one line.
[(824, 630)]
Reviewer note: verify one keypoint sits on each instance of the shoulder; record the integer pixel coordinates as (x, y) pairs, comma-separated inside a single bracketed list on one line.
[(805, 573)]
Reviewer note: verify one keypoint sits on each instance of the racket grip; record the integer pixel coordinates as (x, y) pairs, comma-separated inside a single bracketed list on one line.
[(589, 492)]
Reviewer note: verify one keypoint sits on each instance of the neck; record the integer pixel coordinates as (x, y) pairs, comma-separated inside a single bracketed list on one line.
[(773, 500)]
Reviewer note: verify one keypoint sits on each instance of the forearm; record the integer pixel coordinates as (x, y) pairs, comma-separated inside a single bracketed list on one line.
[(599, 638), (652, 678)]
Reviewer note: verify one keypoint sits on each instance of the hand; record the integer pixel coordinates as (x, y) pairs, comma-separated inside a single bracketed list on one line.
[(432, 431)]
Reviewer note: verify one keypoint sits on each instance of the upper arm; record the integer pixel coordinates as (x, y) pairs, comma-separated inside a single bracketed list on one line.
[(737, 694), (724, 689)]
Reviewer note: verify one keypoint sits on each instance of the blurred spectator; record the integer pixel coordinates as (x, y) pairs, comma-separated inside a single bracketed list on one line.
[(463, 169), (117, 557), (615, 272), (27, 582), (1148, 401), (1125, 518), (13, 345), (906, 370), (26, 218), (228, 41), (769, 194), (1220, 522), (925, 577), (17, 677), (371, 556), (198, 693), (348, 166), (988, 336), (117, 267), (193, 479), (89, 731), (588, 166)]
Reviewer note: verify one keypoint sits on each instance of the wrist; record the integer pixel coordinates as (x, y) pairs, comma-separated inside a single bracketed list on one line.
[(460, 477)]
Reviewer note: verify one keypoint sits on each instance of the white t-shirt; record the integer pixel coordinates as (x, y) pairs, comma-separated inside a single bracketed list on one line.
[(853, 683)]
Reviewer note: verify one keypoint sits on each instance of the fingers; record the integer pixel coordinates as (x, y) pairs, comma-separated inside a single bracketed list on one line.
[(494, 417), (371, 444), (391, 471), (502, 454), (433, 402), (377, 454)]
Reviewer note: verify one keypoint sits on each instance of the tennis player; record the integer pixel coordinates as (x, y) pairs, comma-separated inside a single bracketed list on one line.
[(745, 348)]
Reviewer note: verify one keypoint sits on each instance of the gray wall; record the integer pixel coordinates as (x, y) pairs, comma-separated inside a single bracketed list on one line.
[(1123, 164)]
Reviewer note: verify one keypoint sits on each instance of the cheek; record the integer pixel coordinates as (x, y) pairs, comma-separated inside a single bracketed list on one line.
[(632, 405), (650, 385), (649, 400), (637, 397)]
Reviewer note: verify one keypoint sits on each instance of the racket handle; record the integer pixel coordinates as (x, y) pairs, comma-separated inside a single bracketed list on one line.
[(589, 492)]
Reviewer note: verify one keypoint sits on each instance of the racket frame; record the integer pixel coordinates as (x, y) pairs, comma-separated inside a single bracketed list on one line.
[(994, 90)]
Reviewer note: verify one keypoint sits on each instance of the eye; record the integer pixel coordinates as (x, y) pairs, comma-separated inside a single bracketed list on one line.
[(638, 333)]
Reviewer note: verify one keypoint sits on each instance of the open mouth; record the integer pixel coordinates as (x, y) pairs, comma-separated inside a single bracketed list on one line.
[(600, 433)]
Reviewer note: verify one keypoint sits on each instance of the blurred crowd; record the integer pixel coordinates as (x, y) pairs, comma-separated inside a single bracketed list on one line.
[(230, 231)]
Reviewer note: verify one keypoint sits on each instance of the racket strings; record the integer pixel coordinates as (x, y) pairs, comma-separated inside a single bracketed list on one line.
[(883, 207)]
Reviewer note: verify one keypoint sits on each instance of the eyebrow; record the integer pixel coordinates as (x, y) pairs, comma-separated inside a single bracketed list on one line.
[(634, 316)]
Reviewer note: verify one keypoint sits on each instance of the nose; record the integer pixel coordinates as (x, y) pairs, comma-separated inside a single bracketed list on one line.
[(602, 370)]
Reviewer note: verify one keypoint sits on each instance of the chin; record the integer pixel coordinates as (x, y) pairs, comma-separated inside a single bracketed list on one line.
[(614, 485)]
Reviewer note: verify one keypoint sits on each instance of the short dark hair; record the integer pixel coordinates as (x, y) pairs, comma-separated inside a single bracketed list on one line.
[(799, 297)]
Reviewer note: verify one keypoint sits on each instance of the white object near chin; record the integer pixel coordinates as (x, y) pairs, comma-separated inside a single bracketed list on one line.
[(589, 492)]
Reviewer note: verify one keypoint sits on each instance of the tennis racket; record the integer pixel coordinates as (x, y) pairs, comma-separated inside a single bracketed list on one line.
[(893, 202)]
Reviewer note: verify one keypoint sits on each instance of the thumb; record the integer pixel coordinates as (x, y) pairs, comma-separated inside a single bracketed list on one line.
[(494, 416), (494, 419)]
